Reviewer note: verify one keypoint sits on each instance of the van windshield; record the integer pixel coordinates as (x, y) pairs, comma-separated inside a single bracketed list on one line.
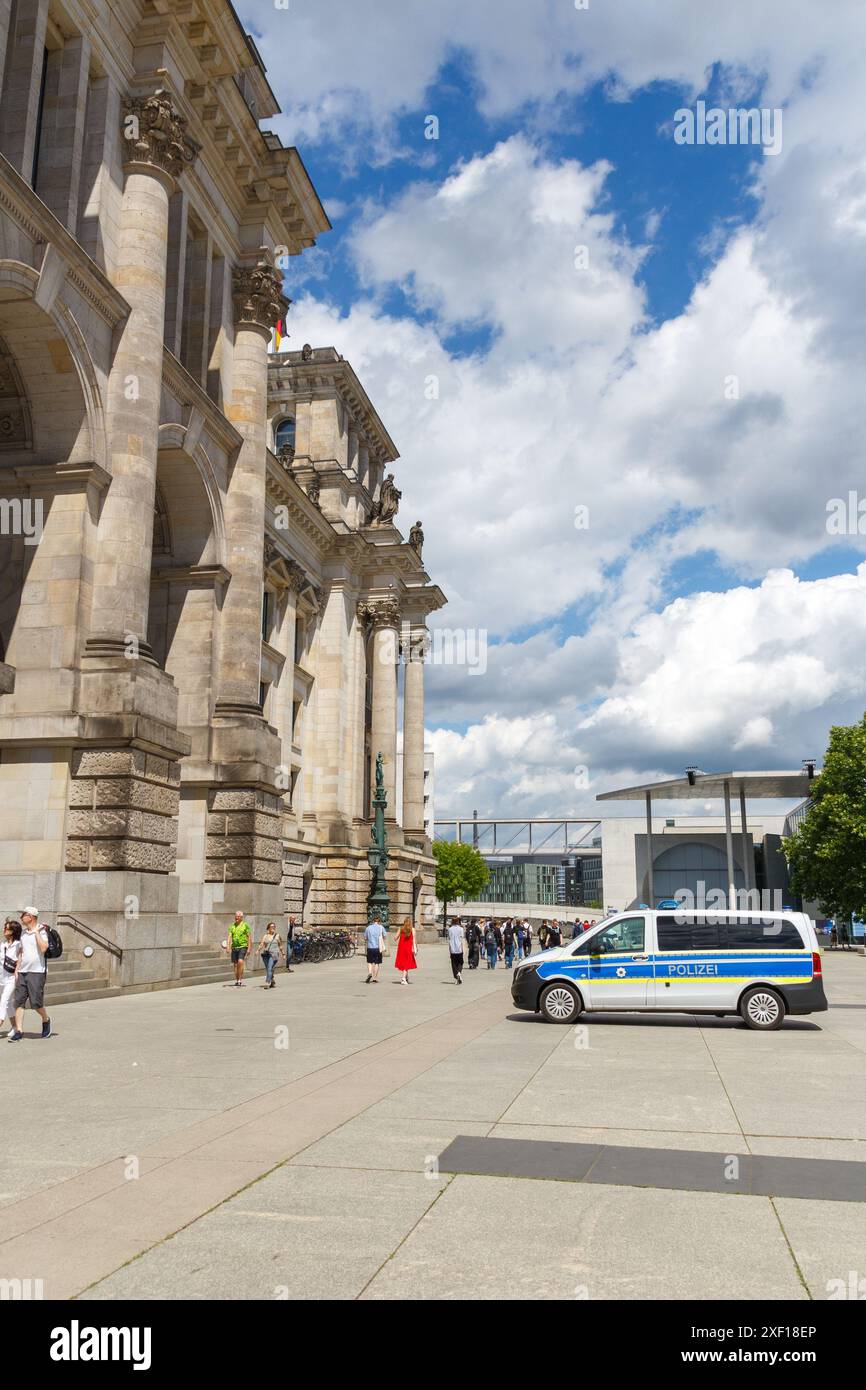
[(626, 935)]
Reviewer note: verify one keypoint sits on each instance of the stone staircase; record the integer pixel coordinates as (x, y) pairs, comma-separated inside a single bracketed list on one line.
[(208, 965), (72, 982)]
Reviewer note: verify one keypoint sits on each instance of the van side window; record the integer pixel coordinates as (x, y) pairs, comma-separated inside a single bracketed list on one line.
[(696, 934), (761, 934), (627, 935)]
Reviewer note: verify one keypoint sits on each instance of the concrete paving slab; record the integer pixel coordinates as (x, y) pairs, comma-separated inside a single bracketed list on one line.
[(300, 1233), (666, 1094), (385, 1141), (828, 1240), (494, 1238)]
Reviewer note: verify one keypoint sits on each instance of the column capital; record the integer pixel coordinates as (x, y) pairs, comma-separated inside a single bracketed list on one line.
[(382, 612), (416, 644), (155, 133), (257, 293)]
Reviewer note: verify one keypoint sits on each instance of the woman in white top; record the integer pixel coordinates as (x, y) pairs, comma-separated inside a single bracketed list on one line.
[(9, 953)]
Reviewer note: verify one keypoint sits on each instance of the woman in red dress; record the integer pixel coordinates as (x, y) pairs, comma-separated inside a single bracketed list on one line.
[(407, 951)]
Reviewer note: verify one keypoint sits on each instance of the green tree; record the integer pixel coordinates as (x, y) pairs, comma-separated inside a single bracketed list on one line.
[(460, 872), (827, 853)]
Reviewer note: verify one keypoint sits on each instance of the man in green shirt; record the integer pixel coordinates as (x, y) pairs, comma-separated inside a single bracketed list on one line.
[(239, 942)]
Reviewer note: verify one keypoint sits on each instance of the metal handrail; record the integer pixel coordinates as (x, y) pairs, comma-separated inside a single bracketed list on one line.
[(65, 919)]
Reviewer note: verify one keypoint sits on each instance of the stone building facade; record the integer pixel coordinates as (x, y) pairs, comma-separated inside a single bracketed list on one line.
[(207, 614)]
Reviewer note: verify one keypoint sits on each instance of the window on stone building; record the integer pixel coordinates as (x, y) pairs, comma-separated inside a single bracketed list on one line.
[(300, 637), (285, 434), (39, 119), (267, 614)]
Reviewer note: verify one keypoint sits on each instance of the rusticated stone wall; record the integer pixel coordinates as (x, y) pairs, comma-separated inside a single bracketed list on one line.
[(123, 806), (244, 843)]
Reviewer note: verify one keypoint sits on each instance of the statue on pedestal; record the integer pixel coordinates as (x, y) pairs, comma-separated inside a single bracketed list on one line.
[(377, 855)]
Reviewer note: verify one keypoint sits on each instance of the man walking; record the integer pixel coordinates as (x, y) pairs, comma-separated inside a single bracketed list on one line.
[(239, 942), (508, 942), (290, 936), (456, 941), (374, 936), (492, 943), (29, 989)]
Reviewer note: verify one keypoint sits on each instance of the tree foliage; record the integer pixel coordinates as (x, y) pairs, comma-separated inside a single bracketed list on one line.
[(460, 872), (827, 853)]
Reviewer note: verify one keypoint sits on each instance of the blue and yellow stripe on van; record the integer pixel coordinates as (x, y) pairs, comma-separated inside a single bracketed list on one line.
[(785, 967)]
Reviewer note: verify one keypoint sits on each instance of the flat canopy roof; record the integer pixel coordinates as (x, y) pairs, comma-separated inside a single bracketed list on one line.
[(788, 785)]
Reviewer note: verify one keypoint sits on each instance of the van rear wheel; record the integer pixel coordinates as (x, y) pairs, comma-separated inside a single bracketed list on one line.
[(762, 1009), (560, 1004)]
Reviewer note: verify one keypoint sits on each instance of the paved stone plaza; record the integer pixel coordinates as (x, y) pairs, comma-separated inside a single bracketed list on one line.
[(310, 1170)]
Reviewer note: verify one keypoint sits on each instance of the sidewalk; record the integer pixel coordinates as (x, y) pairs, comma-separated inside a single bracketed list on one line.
[(312, 1169)]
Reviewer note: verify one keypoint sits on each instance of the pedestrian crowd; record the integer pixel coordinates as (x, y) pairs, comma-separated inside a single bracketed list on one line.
[(506, 939), (28, 944)]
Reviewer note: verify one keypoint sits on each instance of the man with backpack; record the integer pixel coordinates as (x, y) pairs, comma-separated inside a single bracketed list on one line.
[(509, 942), (492, 944), (30, 975)]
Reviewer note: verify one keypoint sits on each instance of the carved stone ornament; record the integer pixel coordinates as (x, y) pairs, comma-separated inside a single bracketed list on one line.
[(286, 455), (313, 490), (296, 577), (257, 293), (380, 612), (155, 133)]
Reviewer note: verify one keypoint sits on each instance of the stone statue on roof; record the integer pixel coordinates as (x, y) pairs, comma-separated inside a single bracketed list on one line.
[(389, 501)]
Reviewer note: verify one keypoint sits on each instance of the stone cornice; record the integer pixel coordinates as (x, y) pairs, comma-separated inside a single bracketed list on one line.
[(187, 392), (28, 212), (418, 603), (285, 491), (63, 477), (199, 576)]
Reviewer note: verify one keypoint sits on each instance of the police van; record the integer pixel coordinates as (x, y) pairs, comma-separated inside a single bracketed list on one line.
[(760, 965)]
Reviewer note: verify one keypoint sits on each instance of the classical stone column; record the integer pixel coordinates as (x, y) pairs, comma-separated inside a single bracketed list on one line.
[(413, 731), (158, 148), (123, 794), (258, 303), (384, 615)]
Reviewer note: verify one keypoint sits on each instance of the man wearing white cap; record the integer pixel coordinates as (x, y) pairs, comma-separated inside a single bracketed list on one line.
[(30, 975)]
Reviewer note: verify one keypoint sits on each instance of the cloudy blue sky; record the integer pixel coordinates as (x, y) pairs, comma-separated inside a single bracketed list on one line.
[(669, 336)]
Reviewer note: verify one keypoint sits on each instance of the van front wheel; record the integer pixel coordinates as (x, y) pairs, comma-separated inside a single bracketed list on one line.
[(762, 1008), (560, 1004)]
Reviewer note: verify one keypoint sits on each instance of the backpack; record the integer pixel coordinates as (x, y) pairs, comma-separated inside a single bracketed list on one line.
[(490, 937), (55, 943)]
